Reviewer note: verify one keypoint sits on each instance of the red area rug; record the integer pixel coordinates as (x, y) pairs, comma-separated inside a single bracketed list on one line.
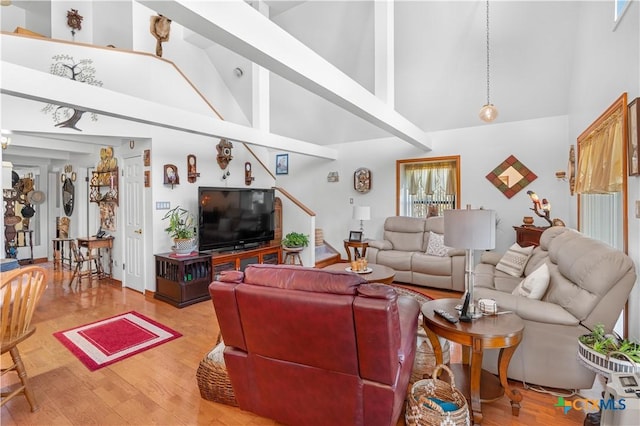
[(110, 340)]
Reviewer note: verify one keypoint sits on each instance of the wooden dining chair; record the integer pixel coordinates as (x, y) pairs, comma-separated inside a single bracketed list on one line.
[(82, 264), (19, 295)]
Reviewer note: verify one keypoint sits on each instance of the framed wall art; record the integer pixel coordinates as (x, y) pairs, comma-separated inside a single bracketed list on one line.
[(282, 164), (634, 138), (511, 176)]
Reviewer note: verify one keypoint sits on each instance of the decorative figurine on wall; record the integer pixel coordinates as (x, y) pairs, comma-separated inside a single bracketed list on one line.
[(247, 174), (160, 29), (192, 171), (171, 175), (224, 156)]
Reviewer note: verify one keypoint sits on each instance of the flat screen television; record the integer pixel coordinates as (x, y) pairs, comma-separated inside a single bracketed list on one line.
[(234, 218)]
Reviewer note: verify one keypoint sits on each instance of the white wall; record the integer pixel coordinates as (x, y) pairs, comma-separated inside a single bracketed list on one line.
[(606, 64), (538, 144)]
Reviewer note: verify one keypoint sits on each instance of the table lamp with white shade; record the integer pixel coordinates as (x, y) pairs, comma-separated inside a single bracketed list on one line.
[(470, 230), (361, 213)]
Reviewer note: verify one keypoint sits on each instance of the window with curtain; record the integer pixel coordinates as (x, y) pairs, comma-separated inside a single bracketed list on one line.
[(601, 182), (601, 177), (427, 186)]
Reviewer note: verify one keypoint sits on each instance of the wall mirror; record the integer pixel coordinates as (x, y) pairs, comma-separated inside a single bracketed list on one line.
[(68, 194), (427, 186)]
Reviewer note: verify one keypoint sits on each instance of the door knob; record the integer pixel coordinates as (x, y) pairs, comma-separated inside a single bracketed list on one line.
[(138, 231)]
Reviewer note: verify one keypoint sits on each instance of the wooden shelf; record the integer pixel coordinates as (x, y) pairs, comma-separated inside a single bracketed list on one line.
[(100, 181), (238, 260)]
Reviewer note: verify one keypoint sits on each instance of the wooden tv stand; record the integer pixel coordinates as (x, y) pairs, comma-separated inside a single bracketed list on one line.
[(237, 260)]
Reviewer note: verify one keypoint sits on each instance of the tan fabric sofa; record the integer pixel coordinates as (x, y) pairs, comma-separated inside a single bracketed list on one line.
[(589, 284), (404, 249)]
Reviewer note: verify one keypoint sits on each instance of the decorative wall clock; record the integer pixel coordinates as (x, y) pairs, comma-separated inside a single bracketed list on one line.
[(224, 156), (192, 170), (362, 180)]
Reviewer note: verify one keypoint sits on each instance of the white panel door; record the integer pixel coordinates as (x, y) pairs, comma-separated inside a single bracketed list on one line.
[(134, 275)]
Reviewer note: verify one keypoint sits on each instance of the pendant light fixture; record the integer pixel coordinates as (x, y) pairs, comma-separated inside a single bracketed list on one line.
[(488, 112)]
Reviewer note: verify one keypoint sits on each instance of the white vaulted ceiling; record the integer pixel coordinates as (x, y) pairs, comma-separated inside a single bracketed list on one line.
[(439, 65)]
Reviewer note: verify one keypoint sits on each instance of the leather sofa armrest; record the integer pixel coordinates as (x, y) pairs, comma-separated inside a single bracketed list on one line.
[(456, 252), (529, 309), (490, 257), (380, 244), (223, 296)]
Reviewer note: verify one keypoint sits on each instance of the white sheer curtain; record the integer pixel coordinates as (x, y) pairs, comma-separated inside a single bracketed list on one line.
[(426, 184)]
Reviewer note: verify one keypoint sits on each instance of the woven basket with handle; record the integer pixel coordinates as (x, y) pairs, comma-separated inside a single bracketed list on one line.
[(422, 411), (213, 379)]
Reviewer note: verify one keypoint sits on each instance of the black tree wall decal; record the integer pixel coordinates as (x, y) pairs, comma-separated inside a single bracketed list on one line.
[(83, 71)]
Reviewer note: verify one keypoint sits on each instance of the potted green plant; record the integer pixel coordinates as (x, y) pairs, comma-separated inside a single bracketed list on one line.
[(608, 353), (182, 229), (295, 240)]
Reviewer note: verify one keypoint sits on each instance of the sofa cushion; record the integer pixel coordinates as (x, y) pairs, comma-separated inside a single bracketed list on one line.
[(515, 260), (432, 265), (535, 285), (405, 233), (435, 245), (396, 259)]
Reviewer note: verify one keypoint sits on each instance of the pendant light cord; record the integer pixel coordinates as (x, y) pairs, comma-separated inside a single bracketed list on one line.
[(488, 86)]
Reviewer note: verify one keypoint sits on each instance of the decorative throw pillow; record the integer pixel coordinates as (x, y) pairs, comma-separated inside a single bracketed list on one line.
[(435, 245), (535, 285), (514, 260)]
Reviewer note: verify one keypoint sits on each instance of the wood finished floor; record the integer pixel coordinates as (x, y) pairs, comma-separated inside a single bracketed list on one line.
[(159, 387)]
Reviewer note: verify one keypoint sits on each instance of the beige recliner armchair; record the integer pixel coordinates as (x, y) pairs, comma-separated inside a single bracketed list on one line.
[(589, 284)]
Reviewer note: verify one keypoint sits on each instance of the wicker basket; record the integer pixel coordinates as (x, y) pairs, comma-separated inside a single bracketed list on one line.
[(213, 379), (425, 359), (421, 411)]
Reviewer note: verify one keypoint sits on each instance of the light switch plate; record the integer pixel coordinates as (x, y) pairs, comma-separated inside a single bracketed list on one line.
[(163, 205)]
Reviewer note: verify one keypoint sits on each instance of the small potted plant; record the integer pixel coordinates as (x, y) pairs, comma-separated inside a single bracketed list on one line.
[(608, 353), (295, 240), (182, 229)]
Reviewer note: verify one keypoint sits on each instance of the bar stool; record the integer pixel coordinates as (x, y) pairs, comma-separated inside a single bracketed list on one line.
[(292, 256)]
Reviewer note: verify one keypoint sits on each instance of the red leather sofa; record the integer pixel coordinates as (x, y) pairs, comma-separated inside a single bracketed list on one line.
[(311, 347)]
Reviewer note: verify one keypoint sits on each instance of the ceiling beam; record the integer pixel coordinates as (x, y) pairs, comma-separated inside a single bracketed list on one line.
[(240, 28), (39, 86)]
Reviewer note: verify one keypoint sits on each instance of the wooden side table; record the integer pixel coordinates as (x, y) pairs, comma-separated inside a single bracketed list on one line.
[(528, 235), (502, 332), (356, 246)]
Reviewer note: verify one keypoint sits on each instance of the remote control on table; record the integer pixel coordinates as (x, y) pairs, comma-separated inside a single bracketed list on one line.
[(446, 315)]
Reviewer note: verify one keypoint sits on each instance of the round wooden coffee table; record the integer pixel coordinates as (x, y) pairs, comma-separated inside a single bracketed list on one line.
[(502, 332), (379, 273)]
